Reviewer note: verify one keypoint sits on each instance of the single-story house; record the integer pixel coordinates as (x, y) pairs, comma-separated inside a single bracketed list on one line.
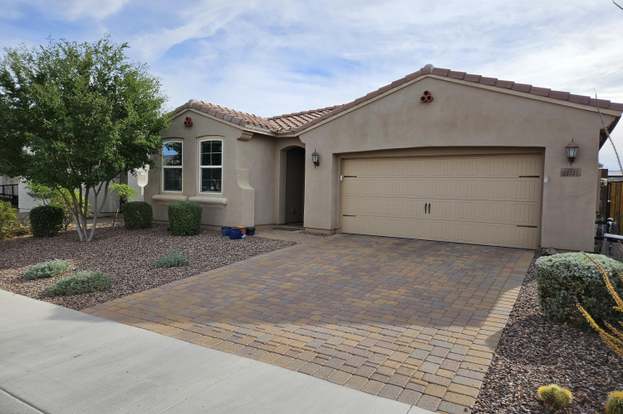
[(438, 155)]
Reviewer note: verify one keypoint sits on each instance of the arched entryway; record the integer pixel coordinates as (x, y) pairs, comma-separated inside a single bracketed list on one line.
[(294, 197)]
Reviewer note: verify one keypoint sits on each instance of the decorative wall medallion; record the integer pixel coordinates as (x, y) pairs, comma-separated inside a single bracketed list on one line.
[(188, 122), (426, 97)]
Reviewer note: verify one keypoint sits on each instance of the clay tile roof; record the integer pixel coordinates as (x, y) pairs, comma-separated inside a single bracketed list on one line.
[(297, 121)]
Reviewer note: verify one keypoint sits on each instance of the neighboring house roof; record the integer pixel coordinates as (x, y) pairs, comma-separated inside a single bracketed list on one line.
[(289, 124)]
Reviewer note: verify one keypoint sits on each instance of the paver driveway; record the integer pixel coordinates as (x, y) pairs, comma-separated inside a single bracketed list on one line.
[(411, 320)]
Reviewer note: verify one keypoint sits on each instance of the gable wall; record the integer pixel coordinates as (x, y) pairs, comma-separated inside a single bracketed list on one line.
[(466, 116)]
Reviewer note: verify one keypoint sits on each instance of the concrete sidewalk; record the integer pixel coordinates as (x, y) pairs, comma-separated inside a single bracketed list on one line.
[(56, 360)]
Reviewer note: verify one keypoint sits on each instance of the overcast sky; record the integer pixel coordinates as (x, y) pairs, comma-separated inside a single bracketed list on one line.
[(276, 56)]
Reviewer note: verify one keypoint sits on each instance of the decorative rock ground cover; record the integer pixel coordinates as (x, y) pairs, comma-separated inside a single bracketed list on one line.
[(127, 257), (534, 351)]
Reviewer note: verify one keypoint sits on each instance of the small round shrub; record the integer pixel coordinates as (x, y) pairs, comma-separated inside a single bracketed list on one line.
[(614, 404), (9, 223), (172, 259), (184, 218), (554, 397), (78, 283), (137, 215), (46, 221), (569, 278), (46, 269)]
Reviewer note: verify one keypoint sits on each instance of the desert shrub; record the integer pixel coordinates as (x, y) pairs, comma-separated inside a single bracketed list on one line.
[(46, 221), (566, 279), (9, 224), (78, 283), (172, 259), (554, 397), (137, 215), (52, 197), (184, 218), (611, 333), (47, 269), (614, 404)]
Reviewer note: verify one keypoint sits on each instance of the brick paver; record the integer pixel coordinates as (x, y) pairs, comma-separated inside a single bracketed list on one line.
[(411, 320)]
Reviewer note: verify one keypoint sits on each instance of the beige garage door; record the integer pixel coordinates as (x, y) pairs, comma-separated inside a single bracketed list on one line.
[(481, 199)]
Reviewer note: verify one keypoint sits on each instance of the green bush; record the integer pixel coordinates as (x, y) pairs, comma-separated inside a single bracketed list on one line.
[(47, 269), (9, 224), (172, 259), (570, 278), (614, 404), (137, 215), (78, 283), (46, 221), (52, 197), (184, 218)]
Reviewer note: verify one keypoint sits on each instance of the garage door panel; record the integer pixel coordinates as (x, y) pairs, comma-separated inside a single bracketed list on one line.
[(493, 199), (502, 212), (469, 166), (515, 189), (469, 232)]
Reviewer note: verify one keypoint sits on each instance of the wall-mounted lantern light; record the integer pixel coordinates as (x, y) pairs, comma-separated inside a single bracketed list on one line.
[(571, 151), (315, 158)]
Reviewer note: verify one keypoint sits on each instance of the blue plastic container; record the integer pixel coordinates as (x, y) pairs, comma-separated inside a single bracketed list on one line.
[(235, 233), (225, 231)]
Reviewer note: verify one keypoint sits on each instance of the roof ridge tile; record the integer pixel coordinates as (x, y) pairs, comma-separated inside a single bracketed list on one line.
[(294, 122)]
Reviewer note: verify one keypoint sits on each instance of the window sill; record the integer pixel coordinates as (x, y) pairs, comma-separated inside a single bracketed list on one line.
[(169, 197), (205, 199)]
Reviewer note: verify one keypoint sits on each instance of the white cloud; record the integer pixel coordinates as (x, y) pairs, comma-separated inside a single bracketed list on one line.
[(76, 9), (275, 56)]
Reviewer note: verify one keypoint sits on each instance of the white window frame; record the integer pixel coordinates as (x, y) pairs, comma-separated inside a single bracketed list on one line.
[(162, 166), (201, 167)]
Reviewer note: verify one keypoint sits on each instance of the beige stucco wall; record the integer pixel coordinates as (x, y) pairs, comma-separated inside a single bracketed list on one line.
[(466, 116), (251, 177)]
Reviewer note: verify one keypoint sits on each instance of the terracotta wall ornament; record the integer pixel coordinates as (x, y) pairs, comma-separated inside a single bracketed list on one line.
[(188, 122), (426, 97)]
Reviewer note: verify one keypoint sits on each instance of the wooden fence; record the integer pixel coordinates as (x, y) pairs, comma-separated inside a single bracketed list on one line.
[(615, 203)]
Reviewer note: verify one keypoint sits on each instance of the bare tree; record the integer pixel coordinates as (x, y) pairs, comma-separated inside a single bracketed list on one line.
[(617, 4)]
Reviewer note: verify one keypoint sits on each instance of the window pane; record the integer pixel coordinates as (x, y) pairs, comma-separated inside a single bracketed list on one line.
[(172, 153), (211, 153), (216, 146), (211, 180), (205, 158), (172, 179), (216, 159)]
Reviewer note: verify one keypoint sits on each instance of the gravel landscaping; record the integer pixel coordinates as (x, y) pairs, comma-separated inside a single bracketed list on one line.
[(127, 257), (533, 351)]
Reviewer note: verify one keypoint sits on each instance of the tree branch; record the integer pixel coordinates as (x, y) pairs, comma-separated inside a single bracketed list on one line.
[(605, 129), (617, 4)]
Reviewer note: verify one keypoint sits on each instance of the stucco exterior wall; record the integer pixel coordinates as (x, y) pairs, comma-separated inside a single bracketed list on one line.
[(250, 192), (466, 116), (215, 213)]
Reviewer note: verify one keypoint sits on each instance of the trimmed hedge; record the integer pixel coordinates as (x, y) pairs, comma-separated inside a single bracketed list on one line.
[(46, 269), (46, 221), (78, 283), (137, 215), (570, 278), (184, 218)]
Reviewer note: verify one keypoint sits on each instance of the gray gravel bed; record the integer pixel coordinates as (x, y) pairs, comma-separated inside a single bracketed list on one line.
[(534, 351), (127, 257)]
